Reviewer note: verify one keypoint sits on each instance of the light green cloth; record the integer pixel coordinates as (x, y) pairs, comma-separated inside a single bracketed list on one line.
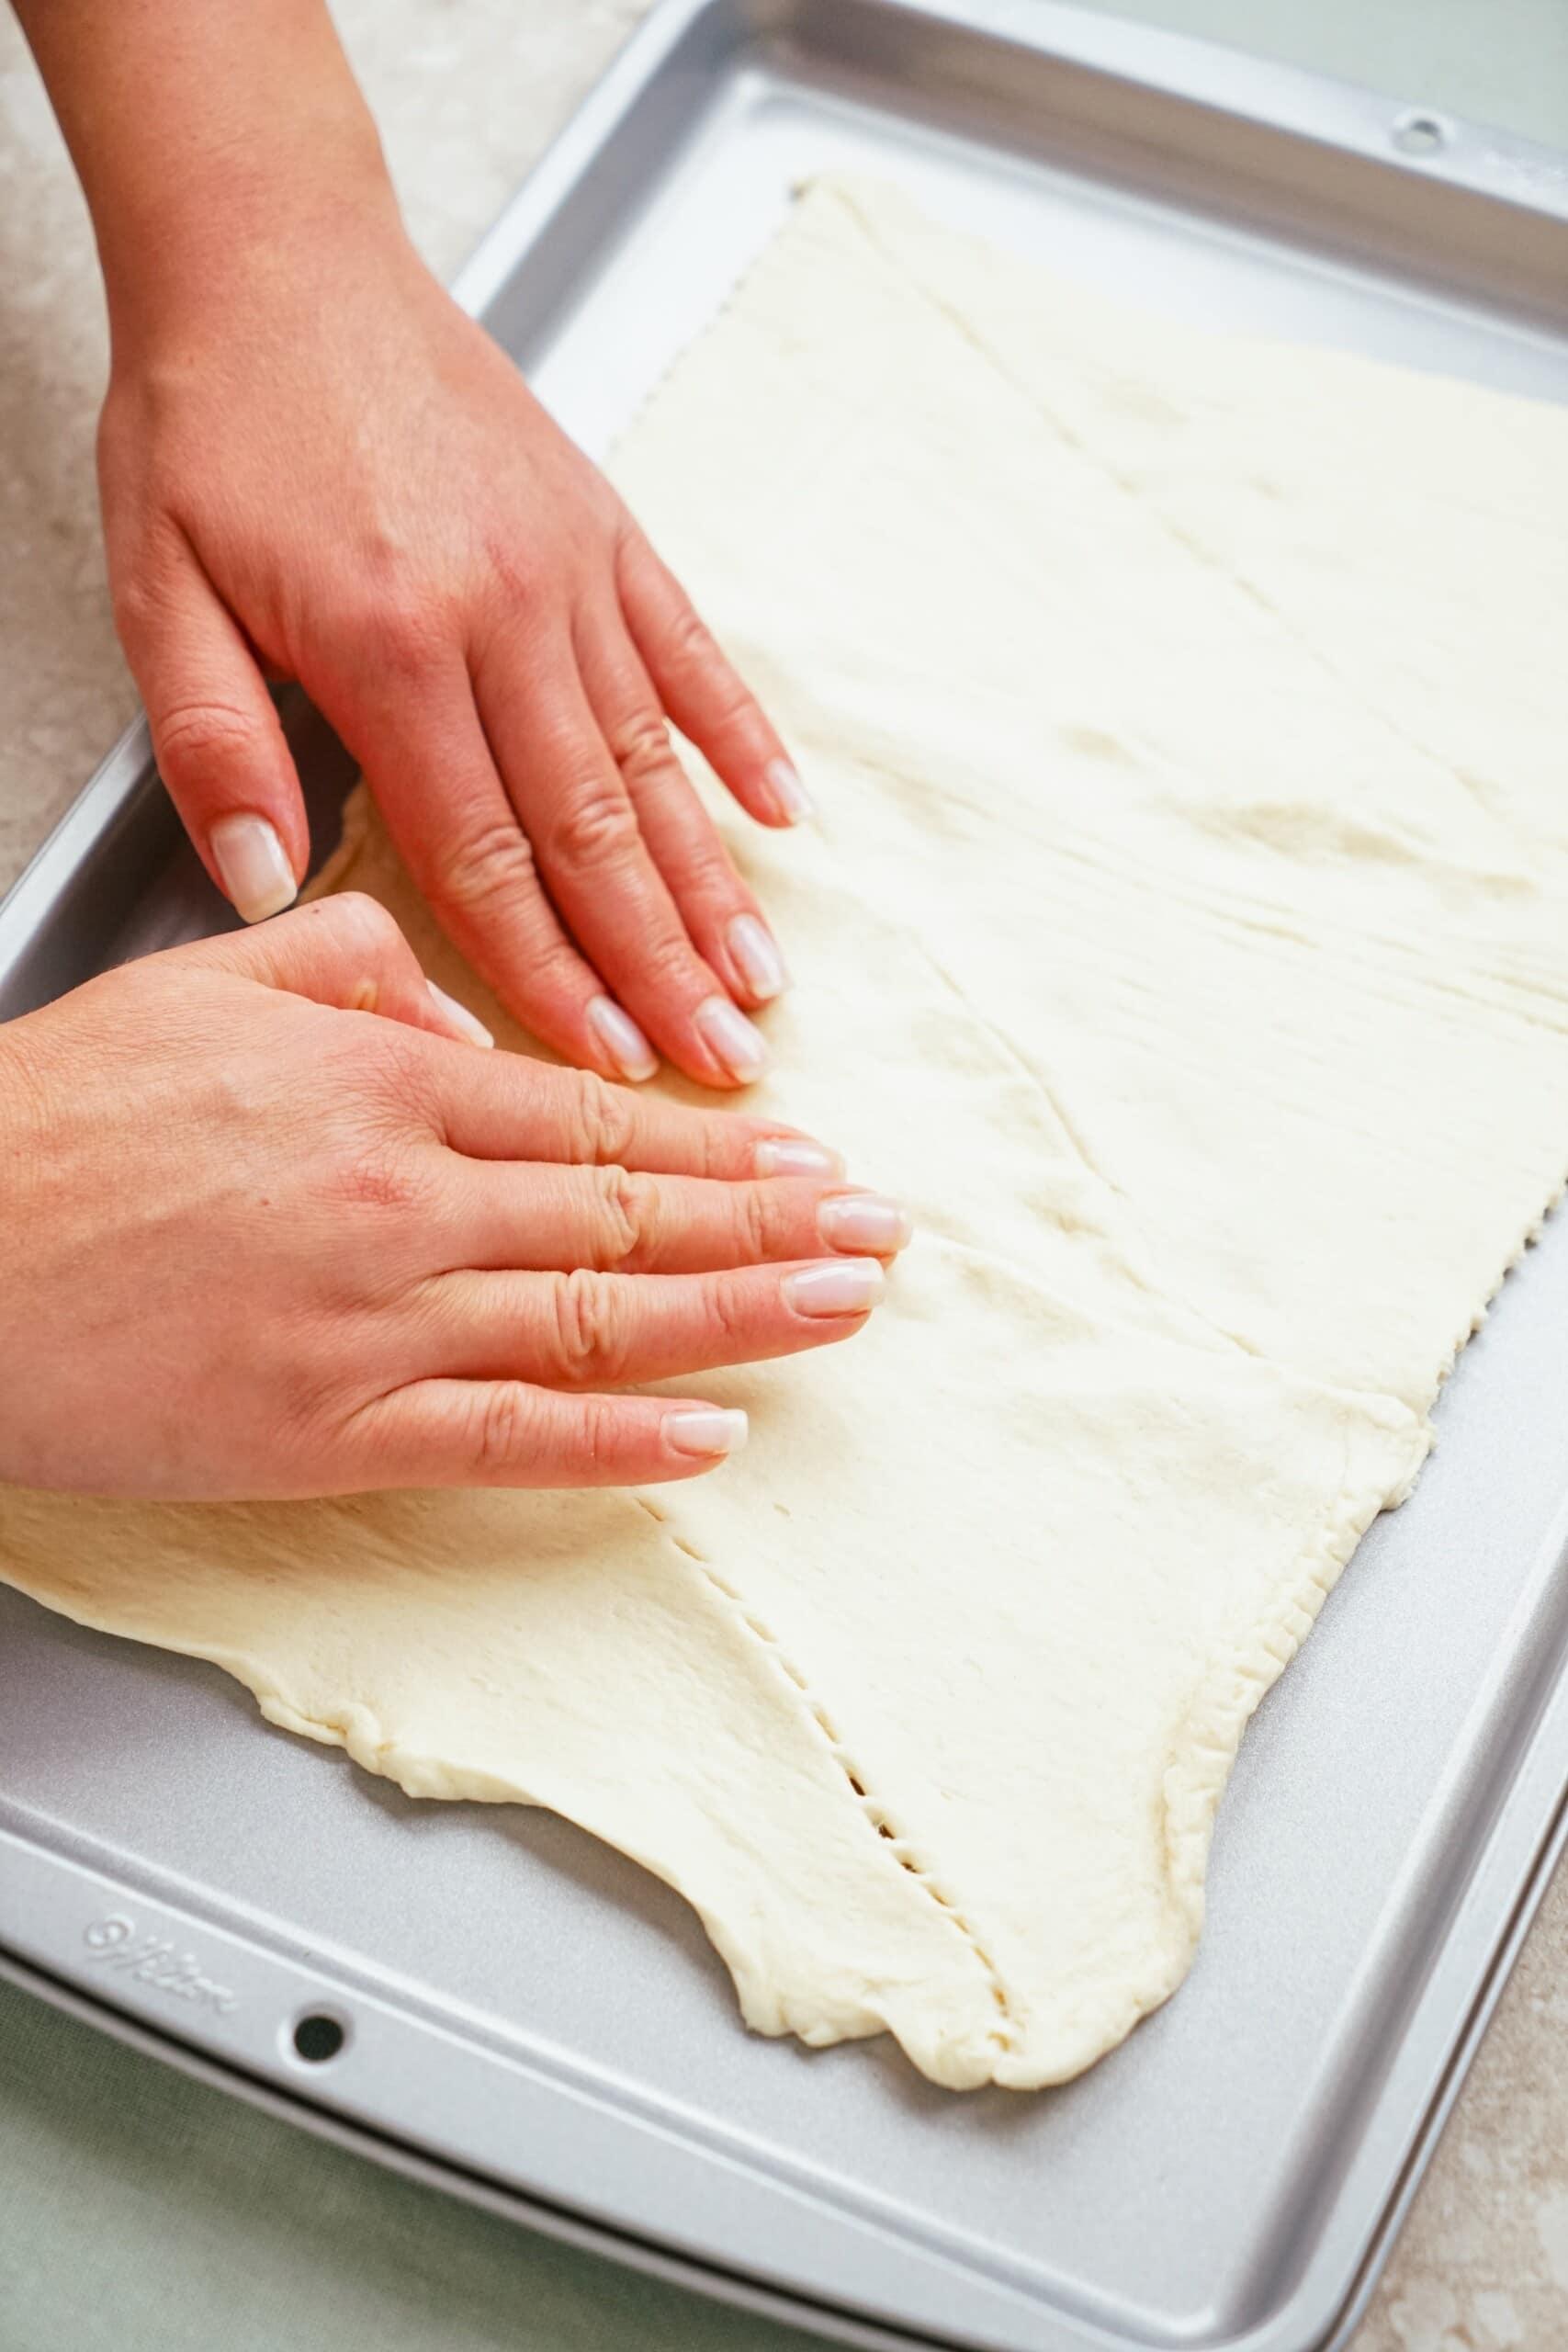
[(1504, 62), (142, 2212)]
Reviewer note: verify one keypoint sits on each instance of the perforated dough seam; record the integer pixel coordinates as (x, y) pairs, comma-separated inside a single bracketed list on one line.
[(867, 1805)]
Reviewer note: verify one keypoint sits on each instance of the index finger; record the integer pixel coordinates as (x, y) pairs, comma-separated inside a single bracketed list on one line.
[(519, 1109)]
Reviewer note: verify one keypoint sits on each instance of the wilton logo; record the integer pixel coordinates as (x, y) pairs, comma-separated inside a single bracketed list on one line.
[(152, 1960)]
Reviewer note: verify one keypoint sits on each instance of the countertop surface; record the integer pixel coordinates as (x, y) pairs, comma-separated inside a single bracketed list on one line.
[(136, 2209)]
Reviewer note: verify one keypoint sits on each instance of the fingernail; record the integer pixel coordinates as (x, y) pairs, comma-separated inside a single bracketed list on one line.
[(707, 1429), (757, 958), (792, 1156), (730, 1037), (459, 1017), (254, 872), (790, 797), (865, 1221), (847, 1289), (622, 1039)]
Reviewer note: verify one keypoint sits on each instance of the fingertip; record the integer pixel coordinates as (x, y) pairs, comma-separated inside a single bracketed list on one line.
[(786, 793), (252, 866), (795, 1155), (458, 1020), (757, 958), (771, 792), (707, 1433), (834, 1289), (737, 1047), (629, 1054), (863, 1223)]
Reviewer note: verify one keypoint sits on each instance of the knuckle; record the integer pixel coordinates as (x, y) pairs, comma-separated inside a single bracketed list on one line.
[(760, 1222), (554, 971), (632, 1204), (694, 647), (670, 968), (733, 708), (493, 862), (726, 1299), (600, 1121), (692, 642), (641, 748), (589, 1329), (407, 645), (706, 873), (505, 1427), (313, 1402), (696, 650), (359, 924), (599, 1446), (373, 1173), (397, 1082), (191, 736), (595, 827), (514, 570), (398, 621), (720, 1145), (632, 554)]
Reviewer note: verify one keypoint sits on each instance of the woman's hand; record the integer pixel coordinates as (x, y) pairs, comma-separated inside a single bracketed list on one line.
[(326, 469), (267, 1228), (314, 465)]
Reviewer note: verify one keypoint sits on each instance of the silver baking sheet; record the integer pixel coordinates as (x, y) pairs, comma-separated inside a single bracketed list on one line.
[(528, 2016)]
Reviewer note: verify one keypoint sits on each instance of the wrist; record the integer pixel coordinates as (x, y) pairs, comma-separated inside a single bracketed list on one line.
[(209, 141), (239, 228)]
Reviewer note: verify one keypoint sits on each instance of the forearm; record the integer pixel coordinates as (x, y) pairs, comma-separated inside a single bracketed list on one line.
[(204, 134)]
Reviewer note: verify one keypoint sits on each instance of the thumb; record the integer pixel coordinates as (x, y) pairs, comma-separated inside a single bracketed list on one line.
[(346, 951), (220, 749)]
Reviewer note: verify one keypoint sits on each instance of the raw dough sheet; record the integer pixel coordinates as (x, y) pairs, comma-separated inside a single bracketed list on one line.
[(1186, 938)]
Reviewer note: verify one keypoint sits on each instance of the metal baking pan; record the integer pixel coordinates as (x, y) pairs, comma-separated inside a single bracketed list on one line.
[(530, 2019)]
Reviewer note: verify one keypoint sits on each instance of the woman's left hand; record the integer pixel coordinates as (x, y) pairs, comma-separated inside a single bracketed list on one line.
[(313, 465)]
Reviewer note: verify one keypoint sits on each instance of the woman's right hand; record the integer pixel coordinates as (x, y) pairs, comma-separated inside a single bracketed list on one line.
[(268, 1228)]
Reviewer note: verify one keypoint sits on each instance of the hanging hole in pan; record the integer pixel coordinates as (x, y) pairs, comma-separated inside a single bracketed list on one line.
[(318, 2036), (1420, 135)]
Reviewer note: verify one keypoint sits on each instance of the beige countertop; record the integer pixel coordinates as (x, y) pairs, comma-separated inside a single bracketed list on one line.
[(468, 92)]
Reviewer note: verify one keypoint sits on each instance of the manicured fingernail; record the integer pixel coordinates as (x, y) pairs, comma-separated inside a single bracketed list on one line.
[(846, 1289), (254, 872), (790, 797), (793, 1156), (732, 1039), (863, 1221), (622, 1039), (459, 1018), (705, 1428), (757, 958)]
